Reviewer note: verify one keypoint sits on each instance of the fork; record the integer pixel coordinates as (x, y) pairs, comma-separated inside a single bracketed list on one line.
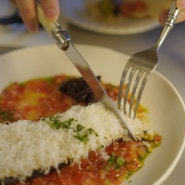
[(139, 67)]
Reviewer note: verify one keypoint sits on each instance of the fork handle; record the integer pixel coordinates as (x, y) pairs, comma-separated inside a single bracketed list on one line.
[(168, 24)]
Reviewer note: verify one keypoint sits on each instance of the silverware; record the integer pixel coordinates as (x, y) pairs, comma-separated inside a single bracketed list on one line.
[(139, 67), (64, 42)]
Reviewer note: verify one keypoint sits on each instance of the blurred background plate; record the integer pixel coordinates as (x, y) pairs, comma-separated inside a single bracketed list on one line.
[(77, 14)]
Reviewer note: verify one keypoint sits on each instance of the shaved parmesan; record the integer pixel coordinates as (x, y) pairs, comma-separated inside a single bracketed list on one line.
[(27, 146)]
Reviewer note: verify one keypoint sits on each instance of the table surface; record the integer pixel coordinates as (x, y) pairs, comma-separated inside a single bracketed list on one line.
[(171, 57)]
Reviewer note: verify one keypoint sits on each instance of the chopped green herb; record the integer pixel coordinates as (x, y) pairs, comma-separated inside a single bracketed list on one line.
[(49, 80), (80, 132), (83, 138), (54, 122), (130, 173), (107, 168), (119, 162), (102, 146), (111, 159), (116, 162), (84, 133), (6, 115), (91, 131), (79, 128), (107, 182)]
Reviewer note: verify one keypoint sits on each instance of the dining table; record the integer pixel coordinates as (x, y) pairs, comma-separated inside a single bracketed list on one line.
[(171, 56)]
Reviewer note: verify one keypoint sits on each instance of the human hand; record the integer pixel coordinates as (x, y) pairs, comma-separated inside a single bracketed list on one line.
[(28, 11), (181, 16)]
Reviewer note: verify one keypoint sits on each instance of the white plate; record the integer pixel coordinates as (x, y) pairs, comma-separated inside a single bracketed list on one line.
[(76, 14), (166, 108)]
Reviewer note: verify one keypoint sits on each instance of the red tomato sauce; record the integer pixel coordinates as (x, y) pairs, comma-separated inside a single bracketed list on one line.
[(39, 98), (128, 9), (34, 99)]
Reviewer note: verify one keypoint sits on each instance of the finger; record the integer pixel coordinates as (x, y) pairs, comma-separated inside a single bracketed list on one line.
[(28, 13), (163, 16), (180, 17), (180, 4), (51, 9)]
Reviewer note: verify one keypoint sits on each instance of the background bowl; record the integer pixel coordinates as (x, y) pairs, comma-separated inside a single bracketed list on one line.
[(166, 108)]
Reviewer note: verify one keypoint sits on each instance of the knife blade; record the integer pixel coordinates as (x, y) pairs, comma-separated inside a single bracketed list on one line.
[(64, 42)]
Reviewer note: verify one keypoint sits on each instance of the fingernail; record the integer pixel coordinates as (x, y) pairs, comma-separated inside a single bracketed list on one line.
[(33, 26), (51, 14)]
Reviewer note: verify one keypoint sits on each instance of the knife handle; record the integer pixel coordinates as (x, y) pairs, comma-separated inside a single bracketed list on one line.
[(48, 25), (61, 36)]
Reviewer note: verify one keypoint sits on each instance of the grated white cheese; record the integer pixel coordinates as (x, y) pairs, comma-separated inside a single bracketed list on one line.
[(26, 146)]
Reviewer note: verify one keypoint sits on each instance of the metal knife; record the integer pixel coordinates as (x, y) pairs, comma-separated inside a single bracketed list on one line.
[(64, 42)]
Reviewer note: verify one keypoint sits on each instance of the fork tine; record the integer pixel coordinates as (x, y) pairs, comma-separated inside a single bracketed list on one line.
[(138, 77), (131, 75), (143, 83), (123, 77)]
